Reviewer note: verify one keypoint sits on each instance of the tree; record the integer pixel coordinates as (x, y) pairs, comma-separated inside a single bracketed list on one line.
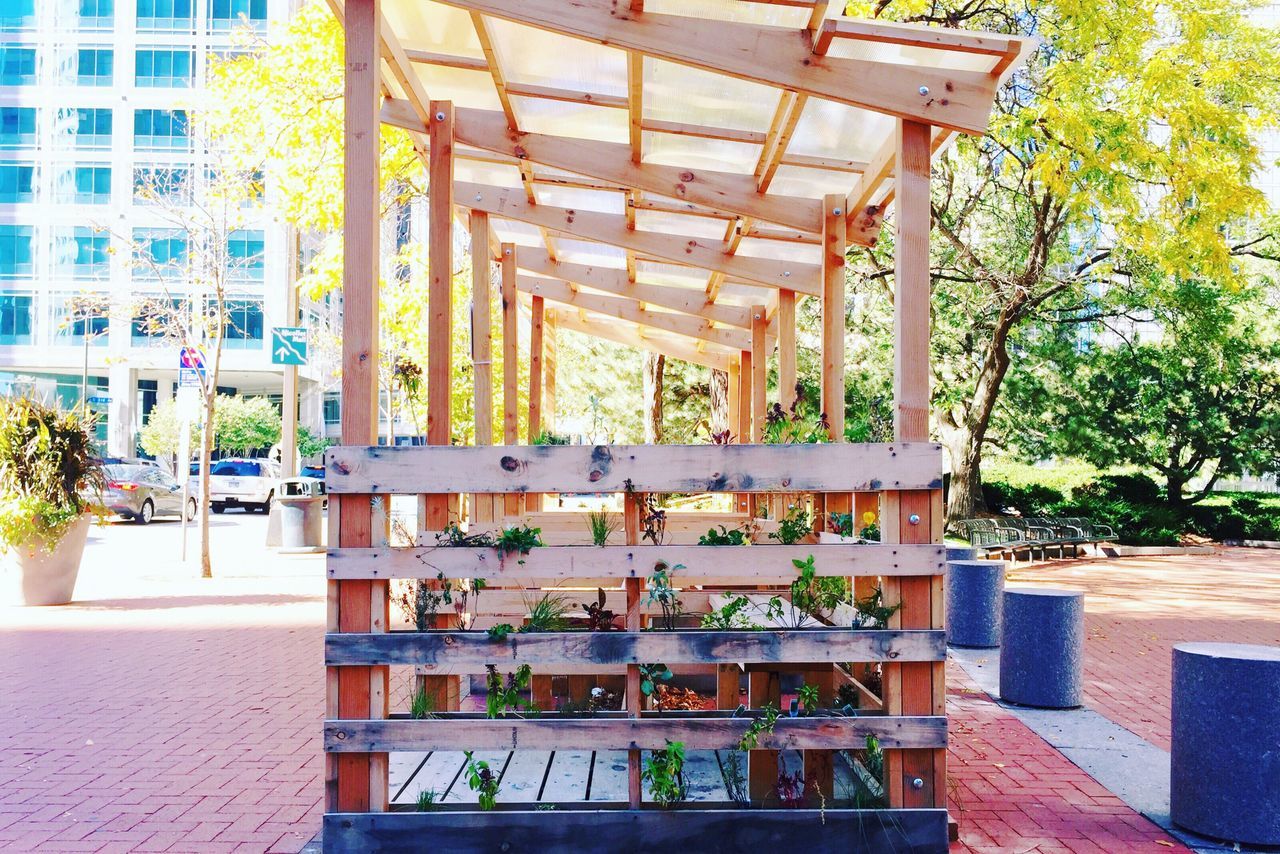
[(654, 366), (1129, 142), (161, 436), (246, 424), (311, 445)]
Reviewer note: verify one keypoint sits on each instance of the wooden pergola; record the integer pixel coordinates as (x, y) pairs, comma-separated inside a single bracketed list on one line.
[(672, 175)]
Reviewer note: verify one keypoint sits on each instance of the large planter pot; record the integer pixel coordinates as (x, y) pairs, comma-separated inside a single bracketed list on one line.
[(36, 576)]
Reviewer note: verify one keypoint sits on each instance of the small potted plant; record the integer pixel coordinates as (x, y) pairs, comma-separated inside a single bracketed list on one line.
[(47, 467)]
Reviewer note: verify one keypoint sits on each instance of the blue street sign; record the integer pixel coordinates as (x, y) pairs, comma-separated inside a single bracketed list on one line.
[(289, 345), (191, 367)]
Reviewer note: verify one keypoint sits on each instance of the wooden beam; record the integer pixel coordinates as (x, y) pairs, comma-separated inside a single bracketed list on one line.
[(563, 564), (359, 606), (746, 373), (614, 281), (550, 365), (773, 56), (914, 35), (440, 289), (482, 347), (786, 348), (404, 469), (630, 310), (833, 244), (630, 335), (635, 104), (735, 388), (510, 361), (612, 229), (911, 284)]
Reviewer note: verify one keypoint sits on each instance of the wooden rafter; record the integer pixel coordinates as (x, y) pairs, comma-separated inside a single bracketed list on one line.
[(774, 56), (628, 334)]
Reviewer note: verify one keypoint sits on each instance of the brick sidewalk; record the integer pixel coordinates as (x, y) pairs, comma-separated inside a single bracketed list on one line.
[(1012, 792), (1136, 609)]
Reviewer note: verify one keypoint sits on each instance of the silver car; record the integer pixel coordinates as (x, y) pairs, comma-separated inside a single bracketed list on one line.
[(142, 492)]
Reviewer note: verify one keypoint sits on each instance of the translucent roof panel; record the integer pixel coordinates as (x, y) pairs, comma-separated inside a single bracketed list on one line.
[(780, 250), (656, 273), (678, 93), (696, 153), (510, 231), (582, 252), (528, 55), (464, 88), (495, 174), (791, 17), (687, 226), (585, 200), (905, 55), (828, 129), (814, 183), (558, 118), (433, 27)]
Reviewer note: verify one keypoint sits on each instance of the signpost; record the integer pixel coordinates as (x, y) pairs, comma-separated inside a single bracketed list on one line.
[(192, 374), (289, 345)]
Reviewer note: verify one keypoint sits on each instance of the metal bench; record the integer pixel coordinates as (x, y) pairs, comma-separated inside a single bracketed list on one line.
[(1013, 534)]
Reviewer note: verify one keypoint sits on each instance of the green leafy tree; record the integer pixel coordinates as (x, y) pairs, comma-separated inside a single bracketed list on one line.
[(245, 424), (162, 434), (1127, 144), (311, 445)]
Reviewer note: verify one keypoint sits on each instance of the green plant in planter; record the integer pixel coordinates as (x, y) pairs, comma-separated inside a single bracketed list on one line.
[(502, 697), (546, 614), (730, 615), (422, 705), (808, 696), (522, 539), (725, 537), (48, 472), (758, 726), (651, 674), (548, 437), (793, 527), (427, 801), (658, 590), (664, 772), (482, 779), (602, 524), (872, 612)]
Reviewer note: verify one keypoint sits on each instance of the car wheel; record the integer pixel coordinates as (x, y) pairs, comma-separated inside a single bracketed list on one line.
[(191, 510), (218, 508), (265, 506), (146, 514)]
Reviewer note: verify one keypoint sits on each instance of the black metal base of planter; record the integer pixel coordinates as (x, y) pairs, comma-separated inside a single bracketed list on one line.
[(921, 831)]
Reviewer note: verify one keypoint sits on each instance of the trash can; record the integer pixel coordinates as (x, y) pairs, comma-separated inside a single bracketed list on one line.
[(301, 501)]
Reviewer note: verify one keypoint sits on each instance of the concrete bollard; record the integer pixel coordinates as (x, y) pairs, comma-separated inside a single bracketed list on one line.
[(1225, 761), (1042, 648), (975, 591), (961, 553)]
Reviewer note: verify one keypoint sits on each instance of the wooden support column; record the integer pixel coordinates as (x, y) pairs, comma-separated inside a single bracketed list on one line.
[(510, 362), (482, 506), (914, 778), (759, 366), (786, 348), (357, 782), (833, 245), (434, 510), (537, 315), (735, 391), (550, 344), (631, 510)]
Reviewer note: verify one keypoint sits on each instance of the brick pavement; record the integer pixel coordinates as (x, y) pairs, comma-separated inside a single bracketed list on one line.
[(1136, 609)]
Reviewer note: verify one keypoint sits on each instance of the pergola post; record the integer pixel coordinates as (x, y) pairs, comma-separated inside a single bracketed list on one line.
[(786, 348), (483, 509), (759, 365), (357, 782), (914, 778), (537, 319), (550, 343), (510, 362), (735, 390)]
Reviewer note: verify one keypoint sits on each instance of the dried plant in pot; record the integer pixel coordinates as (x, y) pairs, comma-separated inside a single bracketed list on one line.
[(48, 476)]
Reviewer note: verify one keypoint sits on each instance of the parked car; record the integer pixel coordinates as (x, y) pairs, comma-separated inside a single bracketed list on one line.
[(235, 482), (316, 472), (142, 492)]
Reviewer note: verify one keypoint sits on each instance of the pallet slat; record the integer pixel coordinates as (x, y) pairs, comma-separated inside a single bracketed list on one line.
[(642, 468), (810, 646), (830, 831), (698, 732), (761, 564)]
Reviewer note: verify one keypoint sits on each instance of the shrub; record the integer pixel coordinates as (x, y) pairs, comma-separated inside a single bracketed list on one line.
[(1026, 500), (1134, 488)]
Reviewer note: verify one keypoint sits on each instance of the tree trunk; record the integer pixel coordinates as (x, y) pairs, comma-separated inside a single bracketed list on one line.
[(206, 464), (719, 393), (969, 433), (654, 364)]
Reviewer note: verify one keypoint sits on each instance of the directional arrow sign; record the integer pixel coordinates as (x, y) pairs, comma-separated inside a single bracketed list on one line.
[(289, 345)]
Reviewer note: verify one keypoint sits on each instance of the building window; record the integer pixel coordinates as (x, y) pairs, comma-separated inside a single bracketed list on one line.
[(83, 253), (162, 69), (332, 407), (16, 182), (95, 66), (17, 15), (243, 327), (81, 316), (16, 258), (228, 14), (155, 319), (17, 127), (15, 319), (17, 65), (85, 185), (95, 14), (84, 127), (245, 255), (159, 253), (159, 130), (164, 16), (154, 185)]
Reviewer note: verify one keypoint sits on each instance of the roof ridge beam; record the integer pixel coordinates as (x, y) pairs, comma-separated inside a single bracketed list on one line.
[(774, 56), (611, 161), (612, 229)]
